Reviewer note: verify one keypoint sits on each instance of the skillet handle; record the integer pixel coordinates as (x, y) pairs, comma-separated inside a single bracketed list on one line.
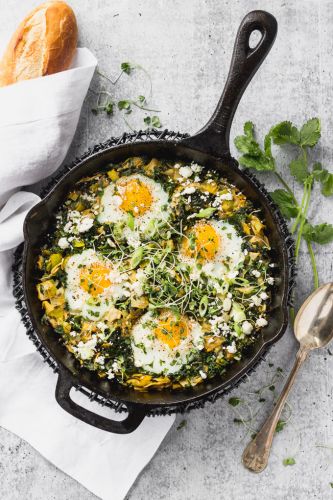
[(213, 138), (135, 413)]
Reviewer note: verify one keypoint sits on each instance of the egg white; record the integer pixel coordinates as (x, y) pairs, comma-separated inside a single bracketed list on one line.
[(156, 357), (79, 300), (229, 256), (110, 211)]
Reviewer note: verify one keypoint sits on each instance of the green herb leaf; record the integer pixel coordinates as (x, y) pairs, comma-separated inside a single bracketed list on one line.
[(141, 99), (285, 133), (155, 121), (203, 305), (285, 202), (280, 425), (331, 485), (253, 156), (324, 177), (130, 221), (234, 401), (108, 108), (125, 104), (181, 425), (321, 233), (136, 257), (205, 213), (127, 67), (147, 120), (299, 169), (310, 133), (289, 461)]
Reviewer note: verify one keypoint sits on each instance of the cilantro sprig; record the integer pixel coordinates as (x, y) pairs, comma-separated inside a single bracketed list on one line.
[(304, 172)]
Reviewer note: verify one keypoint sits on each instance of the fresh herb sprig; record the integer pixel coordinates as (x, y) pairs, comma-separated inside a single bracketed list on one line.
[(305, 173), (106, 103)]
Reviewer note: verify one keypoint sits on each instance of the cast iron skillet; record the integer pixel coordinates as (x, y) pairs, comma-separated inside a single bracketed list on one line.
[(209, 147)]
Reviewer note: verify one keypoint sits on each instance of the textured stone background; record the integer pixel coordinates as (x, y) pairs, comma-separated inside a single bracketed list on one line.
[(186, 47)]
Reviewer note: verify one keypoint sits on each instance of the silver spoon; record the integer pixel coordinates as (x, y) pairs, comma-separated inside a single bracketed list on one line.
[(313, 329)]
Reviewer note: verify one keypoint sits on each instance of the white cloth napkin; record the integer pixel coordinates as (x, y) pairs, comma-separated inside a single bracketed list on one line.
[(38, 119)]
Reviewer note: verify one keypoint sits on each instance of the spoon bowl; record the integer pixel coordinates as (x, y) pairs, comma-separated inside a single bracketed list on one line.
[(314, 321)]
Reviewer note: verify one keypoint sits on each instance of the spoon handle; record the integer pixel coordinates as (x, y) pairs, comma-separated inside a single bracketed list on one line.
[(256, 454)]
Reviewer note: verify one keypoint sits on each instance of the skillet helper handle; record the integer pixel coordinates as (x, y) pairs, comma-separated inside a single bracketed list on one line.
[(129, 424), (256, 454), (213, 138)]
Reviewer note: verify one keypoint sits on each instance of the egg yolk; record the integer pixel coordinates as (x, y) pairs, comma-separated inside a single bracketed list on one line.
[(136, 197), (203, 242), (94, 278), (171, 330)]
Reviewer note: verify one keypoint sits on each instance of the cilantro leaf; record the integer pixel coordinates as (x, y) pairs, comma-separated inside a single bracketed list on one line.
[(234, 401), (253, 156), (324, 177), (285, 202), (321, 233), (260, 163), (299, 169), (147, 120), (289, 461), (310, 133), (285, 133)]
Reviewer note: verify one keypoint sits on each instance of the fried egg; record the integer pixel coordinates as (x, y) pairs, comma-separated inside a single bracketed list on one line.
[(164, 344), (139, 196), (93, 285), (214, 248)]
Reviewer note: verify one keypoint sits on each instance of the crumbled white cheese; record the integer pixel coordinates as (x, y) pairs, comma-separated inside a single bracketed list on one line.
[(263, 296), (115, 366), (229, 295), (270, 280), (261, 322), (86, 350), (196, 168), (189, 190), (73, 333), (63, 243), (185, 172), (110, 374), (227, 304), (100, 360), (203, 375), (256, 300), (226, 196), (85, 224), (232, 349), (256, 273), (247, 327)]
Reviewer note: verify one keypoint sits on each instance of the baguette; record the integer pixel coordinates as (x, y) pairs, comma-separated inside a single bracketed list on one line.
[(44, 43)]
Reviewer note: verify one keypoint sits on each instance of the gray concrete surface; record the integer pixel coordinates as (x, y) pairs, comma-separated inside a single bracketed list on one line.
[(186, 47)]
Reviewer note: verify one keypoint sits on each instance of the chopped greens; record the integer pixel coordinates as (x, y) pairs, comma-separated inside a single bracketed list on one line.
[(156, 274)]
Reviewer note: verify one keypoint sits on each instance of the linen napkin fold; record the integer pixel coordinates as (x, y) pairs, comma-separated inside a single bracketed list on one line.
[(37, 123)]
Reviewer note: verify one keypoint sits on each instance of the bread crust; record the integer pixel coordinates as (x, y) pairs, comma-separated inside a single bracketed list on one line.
[(43, 44)]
